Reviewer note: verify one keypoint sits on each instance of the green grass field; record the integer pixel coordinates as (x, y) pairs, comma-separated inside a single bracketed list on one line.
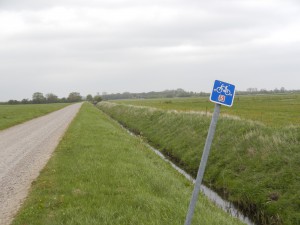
[(99, 174), (11, 115), (272, 110), (252, 165)]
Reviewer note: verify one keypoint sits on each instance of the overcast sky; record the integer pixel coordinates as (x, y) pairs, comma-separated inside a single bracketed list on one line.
[(114, 46)]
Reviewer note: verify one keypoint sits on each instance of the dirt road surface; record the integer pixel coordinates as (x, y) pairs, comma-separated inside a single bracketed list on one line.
[(24, 151)]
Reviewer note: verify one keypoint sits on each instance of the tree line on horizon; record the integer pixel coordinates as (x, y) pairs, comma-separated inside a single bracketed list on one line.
[(180, 93), (40, 98)]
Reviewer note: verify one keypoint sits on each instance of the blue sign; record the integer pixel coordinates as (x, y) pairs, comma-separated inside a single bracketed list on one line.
[(222, 93)]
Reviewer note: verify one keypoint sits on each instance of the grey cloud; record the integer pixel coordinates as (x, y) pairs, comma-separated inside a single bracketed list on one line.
[(146, 45)]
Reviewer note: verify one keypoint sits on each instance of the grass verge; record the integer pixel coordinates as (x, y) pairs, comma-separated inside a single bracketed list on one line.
[(253, 166), (99, 174), (11, 115)]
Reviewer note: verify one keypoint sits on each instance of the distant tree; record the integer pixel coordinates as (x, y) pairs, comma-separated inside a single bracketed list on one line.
[(13, 102), (89, 98), (74, 97), (25, 101), (252, 90), (97, 98), (63, 100), (263, 91), (38, 98), (282, 89), (51, 98)]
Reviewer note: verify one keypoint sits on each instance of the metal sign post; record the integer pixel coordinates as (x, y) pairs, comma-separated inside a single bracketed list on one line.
[(222, 94)]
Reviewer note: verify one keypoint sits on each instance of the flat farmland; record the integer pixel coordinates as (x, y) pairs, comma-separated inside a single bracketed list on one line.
[(271, 110), (254, 161), (11, 115)]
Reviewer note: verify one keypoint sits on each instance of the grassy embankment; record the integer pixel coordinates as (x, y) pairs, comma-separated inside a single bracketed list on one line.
[(11, 115), (254, 166), (272, 110), (99, 174)]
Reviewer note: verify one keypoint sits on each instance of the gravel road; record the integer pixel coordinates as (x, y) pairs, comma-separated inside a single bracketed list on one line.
[(24, 151)]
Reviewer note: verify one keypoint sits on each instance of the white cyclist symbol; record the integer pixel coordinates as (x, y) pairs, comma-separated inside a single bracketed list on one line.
[(224, 89)]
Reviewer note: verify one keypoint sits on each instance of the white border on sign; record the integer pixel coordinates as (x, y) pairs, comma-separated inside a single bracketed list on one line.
[(223, 103)]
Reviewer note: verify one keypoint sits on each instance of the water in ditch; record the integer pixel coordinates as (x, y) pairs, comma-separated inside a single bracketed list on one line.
[(213, 196)]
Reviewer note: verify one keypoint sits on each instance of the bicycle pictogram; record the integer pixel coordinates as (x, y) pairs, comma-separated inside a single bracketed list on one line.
[(224, 89)]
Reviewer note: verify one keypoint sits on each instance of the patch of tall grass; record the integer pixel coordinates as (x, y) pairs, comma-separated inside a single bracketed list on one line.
[(254, 166)]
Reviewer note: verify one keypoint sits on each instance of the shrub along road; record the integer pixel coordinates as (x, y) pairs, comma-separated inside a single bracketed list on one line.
[(24, 151), (99, 174)]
